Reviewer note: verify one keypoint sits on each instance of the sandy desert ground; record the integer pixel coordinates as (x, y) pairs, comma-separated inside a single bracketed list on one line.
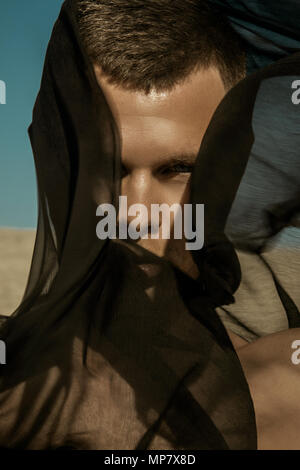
[(16, 247)]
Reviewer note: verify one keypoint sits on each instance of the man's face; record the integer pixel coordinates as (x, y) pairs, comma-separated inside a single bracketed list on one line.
[(160, 137)]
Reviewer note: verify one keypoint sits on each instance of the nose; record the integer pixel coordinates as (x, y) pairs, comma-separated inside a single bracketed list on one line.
[(139, 187)]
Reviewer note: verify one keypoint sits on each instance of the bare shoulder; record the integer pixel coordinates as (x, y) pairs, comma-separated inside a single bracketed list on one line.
[(279, 348), (272, 368)]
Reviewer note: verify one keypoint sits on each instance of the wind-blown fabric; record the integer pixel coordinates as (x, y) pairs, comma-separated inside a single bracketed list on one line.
[(269, 192), (113, 347), (264, 220)]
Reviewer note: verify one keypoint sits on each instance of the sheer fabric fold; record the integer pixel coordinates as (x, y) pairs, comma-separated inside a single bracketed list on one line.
[(113, 347)]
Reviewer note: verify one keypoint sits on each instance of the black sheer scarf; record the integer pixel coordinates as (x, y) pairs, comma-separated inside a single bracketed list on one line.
[(113, 347)]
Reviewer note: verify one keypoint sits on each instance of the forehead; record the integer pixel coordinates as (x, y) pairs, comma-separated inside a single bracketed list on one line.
[(178, 117)]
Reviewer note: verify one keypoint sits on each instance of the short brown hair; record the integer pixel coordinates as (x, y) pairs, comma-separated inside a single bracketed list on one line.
[(154, 44)]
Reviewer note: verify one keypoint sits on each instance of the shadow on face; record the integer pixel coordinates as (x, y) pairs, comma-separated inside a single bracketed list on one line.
[(161, 133)]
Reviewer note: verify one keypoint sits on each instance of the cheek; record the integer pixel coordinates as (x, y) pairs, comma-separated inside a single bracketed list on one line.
[(150, 189), (168, 192), (177, 190)]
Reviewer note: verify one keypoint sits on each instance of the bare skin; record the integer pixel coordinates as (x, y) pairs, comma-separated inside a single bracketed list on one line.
[(274, 383)]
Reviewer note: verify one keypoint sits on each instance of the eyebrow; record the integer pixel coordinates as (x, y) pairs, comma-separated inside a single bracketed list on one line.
[(168, 160), (173, 159)]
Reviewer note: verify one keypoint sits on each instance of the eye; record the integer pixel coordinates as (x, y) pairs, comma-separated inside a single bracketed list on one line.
[(176, 169)]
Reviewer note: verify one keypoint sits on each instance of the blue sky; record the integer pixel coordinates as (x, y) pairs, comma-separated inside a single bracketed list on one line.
[(25, 29)]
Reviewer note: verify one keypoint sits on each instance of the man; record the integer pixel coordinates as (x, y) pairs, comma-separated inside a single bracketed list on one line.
[(124, 351), (163, 87), (162, 111), (164, 68)]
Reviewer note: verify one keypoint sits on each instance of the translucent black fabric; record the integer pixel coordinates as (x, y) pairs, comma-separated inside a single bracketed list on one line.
[(113, 347), (261, 143), (264, 220)]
